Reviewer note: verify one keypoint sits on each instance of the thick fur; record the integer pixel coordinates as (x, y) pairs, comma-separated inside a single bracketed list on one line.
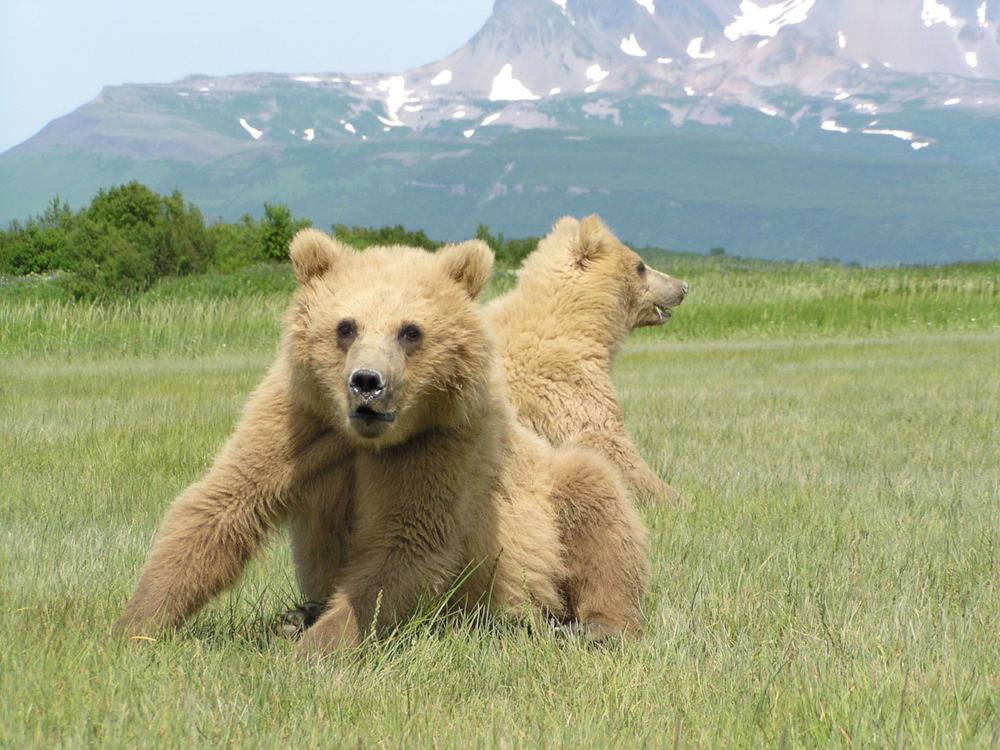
[(384, 437), (579, 295)]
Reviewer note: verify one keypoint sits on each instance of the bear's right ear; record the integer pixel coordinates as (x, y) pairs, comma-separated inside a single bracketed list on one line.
[(468, 263), (593, 240), (312, 253)]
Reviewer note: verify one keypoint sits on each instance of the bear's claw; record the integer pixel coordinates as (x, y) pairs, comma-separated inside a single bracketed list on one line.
[(296, 621)]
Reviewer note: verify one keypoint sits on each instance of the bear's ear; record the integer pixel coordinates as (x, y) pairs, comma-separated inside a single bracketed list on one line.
[(469, 264), (312, 253), (593, 240)]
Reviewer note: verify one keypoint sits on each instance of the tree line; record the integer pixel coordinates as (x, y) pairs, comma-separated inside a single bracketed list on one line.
[(129, 236)]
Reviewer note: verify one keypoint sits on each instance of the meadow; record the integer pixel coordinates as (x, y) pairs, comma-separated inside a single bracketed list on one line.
[(834, 583)]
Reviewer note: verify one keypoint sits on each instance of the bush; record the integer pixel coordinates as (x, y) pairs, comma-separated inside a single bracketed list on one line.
[(237, 244), (509, 253), (40, 245), (276, 231), (129, 237), (362, 237)]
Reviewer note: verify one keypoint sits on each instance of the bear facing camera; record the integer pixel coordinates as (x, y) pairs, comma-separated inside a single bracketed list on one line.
[(382, 436)]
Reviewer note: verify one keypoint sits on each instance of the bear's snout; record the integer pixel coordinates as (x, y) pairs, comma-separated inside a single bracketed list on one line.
[(367, 383)]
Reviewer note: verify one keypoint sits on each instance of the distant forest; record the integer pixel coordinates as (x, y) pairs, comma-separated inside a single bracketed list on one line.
[(129, 236)]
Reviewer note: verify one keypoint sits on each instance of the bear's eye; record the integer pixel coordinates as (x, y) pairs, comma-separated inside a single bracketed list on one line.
[(347, 329), (410, 333), (640, 267)]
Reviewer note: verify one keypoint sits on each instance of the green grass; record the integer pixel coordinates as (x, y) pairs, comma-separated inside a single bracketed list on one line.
[(834, 584)]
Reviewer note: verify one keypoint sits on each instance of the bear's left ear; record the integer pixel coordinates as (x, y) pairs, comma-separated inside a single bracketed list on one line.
[(312, 253), (469, 264)]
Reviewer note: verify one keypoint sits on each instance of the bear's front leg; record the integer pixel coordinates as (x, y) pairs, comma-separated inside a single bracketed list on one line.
[(616, 444), (216, 525)]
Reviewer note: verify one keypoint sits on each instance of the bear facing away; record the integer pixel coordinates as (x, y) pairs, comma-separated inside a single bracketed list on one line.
[(578, 296), (383, 436)]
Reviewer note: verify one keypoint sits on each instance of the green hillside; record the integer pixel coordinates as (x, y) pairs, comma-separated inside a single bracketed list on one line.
[(686, 190)]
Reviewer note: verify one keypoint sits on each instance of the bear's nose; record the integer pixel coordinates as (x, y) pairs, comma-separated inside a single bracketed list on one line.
[(366, 382), (684, 287)]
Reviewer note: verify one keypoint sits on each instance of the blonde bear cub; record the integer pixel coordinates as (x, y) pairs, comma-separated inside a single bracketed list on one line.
[(384, 437), (578, 297)]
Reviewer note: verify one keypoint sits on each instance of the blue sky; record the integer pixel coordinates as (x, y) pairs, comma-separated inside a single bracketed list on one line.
[(57, 54)]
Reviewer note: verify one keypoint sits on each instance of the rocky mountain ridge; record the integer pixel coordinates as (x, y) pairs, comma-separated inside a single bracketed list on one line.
[(911, 84)]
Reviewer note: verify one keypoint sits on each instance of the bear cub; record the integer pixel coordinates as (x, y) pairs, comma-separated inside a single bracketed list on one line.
[(384, 437)]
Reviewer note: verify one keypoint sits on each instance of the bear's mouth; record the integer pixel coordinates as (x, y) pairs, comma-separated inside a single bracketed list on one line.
[(369, 415), (663, 313)]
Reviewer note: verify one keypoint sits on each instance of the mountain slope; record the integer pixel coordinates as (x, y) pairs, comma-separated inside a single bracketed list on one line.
[(801, 128)]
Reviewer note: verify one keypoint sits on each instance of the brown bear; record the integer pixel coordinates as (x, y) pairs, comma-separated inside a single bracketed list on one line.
[(383, 435), (578, 296)]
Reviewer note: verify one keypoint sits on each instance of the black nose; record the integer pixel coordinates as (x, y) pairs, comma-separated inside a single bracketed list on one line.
[(367, 382)]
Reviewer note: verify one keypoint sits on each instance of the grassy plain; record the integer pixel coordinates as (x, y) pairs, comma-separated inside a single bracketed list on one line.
[(836, 582)]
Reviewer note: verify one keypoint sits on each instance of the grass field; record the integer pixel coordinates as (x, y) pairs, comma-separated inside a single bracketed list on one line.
[(835, 582)]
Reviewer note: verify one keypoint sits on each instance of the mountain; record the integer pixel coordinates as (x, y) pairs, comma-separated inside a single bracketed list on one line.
[(803, 128)]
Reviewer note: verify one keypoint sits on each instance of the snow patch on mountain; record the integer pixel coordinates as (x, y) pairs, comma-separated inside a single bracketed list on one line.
[(650, 5), (695, 51), (507, 88), (935, 12), (442, 79), (630, 46), (595, 73), (254, 133), (396, 97), (766, 20)]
